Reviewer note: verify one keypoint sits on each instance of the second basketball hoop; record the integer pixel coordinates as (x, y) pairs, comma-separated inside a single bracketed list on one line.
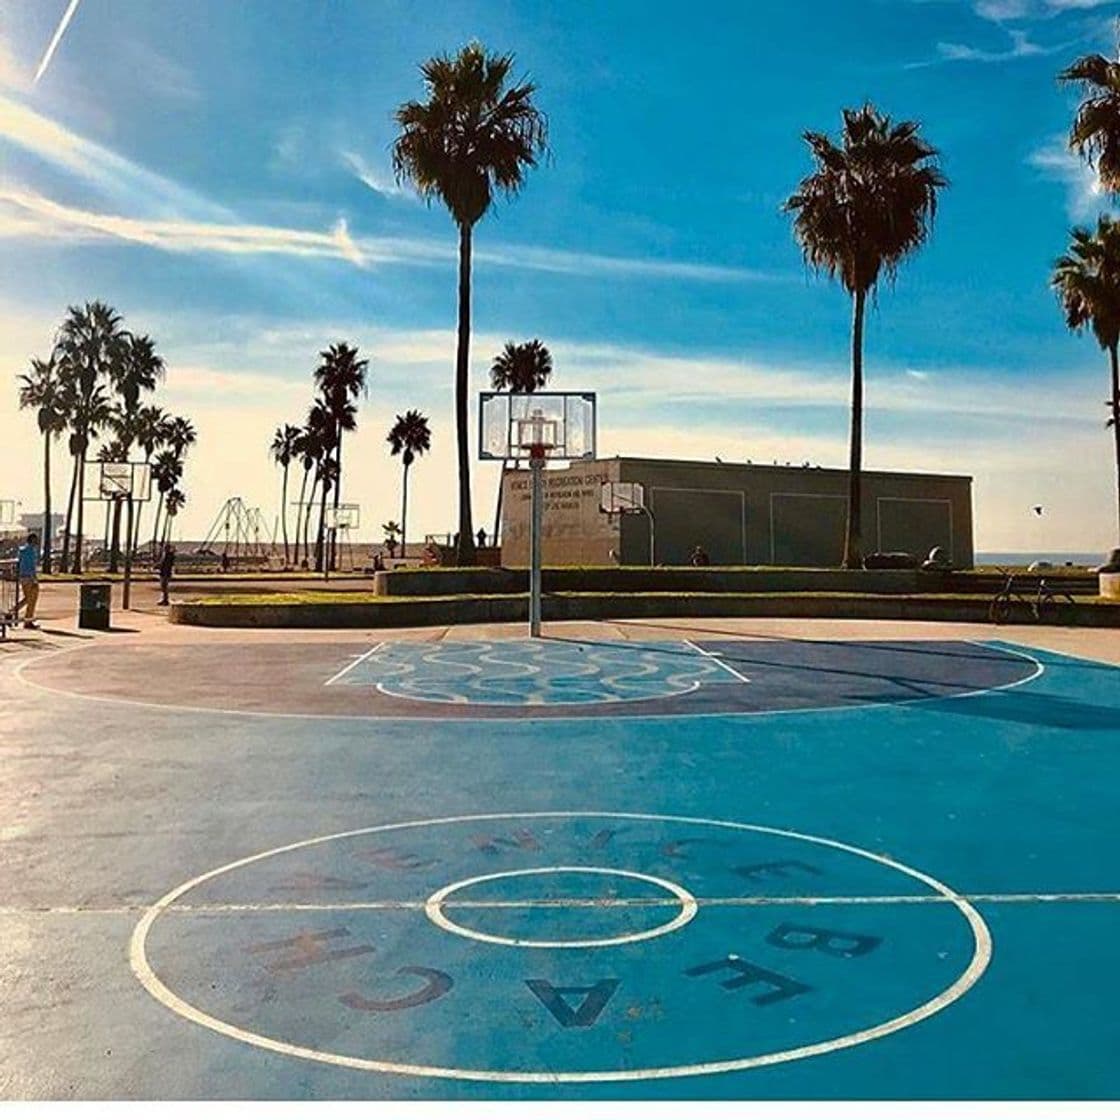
[(539, 427)]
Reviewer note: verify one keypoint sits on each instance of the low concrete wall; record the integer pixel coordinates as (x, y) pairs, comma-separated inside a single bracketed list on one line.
[(371, 614), (511, 581), (1110, 585)]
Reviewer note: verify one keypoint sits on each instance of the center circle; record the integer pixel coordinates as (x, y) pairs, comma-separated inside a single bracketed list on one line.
[(435, 912)]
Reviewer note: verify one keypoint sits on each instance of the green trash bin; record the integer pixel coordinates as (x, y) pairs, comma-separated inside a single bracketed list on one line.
[(93, 606)]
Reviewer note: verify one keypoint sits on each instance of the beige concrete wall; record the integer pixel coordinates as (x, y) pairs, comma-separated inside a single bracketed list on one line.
[(573, 529)]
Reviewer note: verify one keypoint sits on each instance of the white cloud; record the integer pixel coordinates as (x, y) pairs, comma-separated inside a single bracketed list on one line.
[(377, 182), (1085, 198), (1021, 47)]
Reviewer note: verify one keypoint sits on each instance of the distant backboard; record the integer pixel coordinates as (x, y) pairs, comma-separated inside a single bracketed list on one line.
[(345, 518), (568, 418), (622, 497), (9, 514), (112, 481)]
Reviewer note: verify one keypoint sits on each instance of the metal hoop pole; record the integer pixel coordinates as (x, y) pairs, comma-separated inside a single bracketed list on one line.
[(536, 466)]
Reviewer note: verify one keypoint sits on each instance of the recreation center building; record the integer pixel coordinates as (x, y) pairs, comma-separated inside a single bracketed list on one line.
[(738, 513)]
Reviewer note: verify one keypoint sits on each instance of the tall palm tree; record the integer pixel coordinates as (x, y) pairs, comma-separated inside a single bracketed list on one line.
[(408, 437), (473, 137), (1095, 132), (42, 390), (90, 348), (868, 204), (283, 451), (1087, 282), (340, 378), (520, 368)]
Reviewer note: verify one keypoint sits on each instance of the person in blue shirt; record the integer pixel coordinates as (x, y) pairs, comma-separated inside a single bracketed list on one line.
[(27, 571)]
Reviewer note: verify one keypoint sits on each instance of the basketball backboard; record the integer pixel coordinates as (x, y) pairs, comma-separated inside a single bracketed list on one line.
[(622, 497), (568, 418), (345, 518), (113, 481), (9, 514)]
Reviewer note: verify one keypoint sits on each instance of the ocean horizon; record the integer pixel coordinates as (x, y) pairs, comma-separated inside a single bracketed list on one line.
[(1059, 559)]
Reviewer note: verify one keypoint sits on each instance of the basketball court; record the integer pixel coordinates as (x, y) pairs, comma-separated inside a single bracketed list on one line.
[(719, 861)]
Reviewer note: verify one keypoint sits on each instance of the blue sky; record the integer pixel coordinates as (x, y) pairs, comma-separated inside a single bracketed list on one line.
[(220, 173)]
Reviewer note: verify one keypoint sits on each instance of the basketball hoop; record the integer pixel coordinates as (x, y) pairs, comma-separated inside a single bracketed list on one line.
[(537, 434)]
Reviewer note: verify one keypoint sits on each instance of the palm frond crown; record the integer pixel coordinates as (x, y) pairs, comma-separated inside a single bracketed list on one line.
[(870, 201), (473, 137)]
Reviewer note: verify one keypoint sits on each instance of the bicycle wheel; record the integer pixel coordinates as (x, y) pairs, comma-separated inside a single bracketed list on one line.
[(1000, 610)]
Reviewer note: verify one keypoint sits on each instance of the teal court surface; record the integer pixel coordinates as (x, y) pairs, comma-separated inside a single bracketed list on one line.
[(598, 865)]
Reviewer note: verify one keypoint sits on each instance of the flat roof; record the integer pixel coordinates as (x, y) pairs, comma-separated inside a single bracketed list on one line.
[(747, 466)]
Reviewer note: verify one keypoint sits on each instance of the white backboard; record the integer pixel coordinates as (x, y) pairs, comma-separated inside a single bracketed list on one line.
[(571, 418)]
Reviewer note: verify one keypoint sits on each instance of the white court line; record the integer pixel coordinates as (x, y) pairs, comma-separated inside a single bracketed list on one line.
[(712, 657), (562, 904), (354, 664)]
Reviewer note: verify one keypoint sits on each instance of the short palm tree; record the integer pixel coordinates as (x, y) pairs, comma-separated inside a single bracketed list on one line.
[(138, 371), (340, 377), (520, 368), (176, 499), (1087, 281), (409, 437), (1095, 132), (475, 136), (868, 204), (283, 450), (167, 471), (151, 427), (42, 390), (393, 533)]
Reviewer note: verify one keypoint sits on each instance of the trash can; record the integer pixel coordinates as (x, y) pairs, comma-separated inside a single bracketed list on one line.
[(93, 606)]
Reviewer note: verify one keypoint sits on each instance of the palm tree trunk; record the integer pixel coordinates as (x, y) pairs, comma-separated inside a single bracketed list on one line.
[(65, 566), (337, 495), (465, 553), (115, 547), (307, 519), (299, 519), (404, 511), (320, 536), (853, 543), (498, 505), (284, 512), (77, 567), (155, 525), (1116, 424), (47, 503)]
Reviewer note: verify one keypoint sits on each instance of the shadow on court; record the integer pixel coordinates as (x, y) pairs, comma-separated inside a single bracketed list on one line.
[(1034, 709), (896, 666)]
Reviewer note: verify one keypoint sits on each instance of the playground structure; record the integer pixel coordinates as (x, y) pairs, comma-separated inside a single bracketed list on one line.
[(237, 534)]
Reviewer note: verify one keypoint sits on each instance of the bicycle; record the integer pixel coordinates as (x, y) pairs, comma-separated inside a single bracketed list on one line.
[(1046, 605)]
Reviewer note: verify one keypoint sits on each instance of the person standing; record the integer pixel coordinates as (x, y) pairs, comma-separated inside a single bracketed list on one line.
[(27, 572), (166, 571)]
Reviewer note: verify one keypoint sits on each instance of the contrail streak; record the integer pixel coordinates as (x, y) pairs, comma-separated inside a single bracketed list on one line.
[(68, 15)]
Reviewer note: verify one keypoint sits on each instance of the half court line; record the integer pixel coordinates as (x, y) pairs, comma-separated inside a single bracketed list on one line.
[(566, 903)]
